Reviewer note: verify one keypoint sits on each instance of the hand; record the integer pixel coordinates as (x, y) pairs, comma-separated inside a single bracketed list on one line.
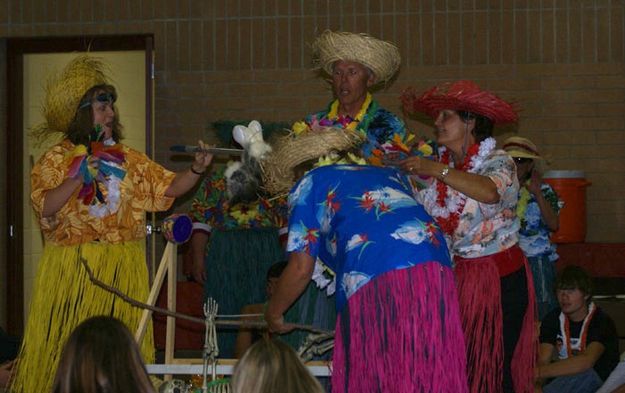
[(202, 158), (198, 272), (415, 165), (276, 324), (534, 184)]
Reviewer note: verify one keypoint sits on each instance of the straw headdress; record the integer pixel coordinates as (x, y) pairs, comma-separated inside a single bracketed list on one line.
[(64, 90), (289, 151), (461, 95), (379, 56), (520, 147)]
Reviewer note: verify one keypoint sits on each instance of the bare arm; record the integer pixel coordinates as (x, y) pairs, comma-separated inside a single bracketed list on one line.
[(199, 239), (291, 284), (573, 365), (478, 187), (57, 197), (549, 216), (186, 179)]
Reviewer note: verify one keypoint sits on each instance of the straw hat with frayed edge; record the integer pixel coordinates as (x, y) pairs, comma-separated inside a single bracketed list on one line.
[(379, 56), (289, 151), (517, 146), (459, 96), (64, 90)]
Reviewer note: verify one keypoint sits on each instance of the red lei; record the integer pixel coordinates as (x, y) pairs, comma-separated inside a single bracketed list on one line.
[(450, 223)]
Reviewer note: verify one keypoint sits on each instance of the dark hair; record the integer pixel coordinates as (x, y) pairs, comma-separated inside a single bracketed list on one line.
[(276, 269), (79, 130), (101, 356), (574, 277), (483, 125)]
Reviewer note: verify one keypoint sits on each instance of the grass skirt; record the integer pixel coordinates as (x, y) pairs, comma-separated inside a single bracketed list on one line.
[(64, 296), (401, 333)]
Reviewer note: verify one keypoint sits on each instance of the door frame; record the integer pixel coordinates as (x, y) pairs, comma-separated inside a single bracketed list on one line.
[(16, 49)]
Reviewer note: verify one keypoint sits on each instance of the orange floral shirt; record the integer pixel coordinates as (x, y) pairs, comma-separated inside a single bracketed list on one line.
[(143, 189)]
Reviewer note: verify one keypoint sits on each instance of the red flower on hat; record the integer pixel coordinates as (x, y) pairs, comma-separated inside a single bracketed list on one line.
[(459, 96)]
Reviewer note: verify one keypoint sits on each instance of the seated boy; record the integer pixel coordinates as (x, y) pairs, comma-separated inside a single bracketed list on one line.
[(578, 341)]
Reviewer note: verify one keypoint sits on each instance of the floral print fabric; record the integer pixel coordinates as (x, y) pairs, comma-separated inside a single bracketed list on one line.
[(361, 221), (142, 189), (210, 208), (534, 234), (484, 229)]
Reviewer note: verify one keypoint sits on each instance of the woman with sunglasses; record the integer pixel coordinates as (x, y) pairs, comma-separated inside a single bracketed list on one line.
[(90, 194), (473, 198), (537, 211)]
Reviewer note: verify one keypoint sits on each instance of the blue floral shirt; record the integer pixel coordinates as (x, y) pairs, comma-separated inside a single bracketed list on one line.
[(534, 233), (361, 221), (380, 126)]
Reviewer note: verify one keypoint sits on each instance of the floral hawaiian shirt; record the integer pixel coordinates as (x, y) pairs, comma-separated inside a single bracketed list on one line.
[(378, 125), (485, 229), (210, 208), (361, 221), (534, 233)]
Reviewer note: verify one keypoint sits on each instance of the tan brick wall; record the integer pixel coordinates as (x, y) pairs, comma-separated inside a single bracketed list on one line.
[(562, 61)]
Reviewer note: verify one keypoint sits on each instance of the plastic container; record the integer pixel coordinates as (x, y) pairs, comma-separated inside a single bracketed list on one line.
[(571, 188)]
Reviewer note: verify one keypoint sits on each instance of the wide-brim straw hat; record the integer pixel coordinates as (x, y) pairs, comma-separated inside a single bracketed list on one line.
[(461, 95), (64, 90), (517, 146), (381, 57), (289, 151)]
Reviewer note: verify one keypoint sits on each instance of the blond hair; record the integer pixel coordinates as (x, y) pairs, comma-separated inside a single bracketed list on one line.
[(272, 366)]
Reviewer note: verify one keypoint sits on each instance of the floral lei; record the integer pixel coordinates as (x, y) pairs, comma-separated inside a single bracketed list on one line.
[(444, 203), (521, 208)]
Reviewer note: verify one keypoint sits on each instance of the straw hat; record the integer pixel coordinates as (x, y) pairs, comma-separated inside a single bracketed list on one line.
[(520, 147), (290, 151), (379, 56), (64, 90), (460, 96)]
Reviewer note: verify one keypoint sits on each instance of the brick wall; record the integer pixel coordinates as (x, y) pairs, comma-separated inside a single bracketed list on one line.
[(561, 60)]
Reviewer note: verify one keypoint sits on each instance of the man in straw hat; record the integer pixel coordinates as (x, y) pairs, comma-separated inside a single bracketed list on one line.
[(355, 64), (537, 211), (398, 326), (90, 194), (473, 200)]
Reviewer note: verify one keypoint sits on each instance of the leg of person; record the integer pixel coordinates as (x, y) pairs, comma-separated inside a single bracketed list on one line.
[(544, 274), (585, 382), (514, 301), (401, 333)]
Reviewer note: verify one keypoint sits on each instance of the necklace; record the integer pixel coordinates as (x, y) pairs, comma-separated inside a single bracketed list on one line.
[(346, 121), (443, 202)]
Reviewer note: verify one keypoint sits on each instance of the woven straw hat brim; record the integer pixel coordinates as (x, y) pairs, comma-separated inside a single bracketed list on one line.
[(289, 151), (379, 56), (64, 90), (459, 96)]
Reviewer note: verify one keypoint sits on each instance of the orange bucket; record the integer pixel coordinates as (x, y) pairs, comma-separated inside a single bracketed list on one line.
[(571, 188)]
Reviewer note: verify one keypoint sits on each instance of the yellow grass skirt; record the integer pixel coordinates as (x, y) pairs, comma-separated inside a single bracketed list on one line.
[(64, 296)]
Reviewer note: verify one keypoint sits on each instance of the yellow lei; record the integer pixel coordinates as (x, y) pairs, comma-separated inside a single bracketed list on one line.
[(524, 197), (334, 112)]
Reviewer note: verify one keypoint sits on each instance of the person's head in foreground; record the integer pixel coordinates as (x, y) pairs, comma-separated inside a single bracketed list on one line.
[(271, 366), (101, 356)]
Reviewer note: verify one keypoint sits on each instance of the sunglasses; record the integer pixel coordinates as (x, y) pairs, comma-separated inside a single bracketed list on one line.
[(104, 98), (522, 160)]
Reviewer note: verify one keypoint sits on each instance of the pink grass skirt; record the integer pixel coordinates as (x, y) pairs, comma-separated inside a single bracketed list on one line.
[(479, 288), (401, 333)]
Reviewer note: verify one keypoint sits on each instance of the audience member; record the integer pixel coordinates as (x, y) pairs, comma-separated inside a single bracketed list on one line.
[(101, 356), (579, 335), (272, 366), (537, 211)]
